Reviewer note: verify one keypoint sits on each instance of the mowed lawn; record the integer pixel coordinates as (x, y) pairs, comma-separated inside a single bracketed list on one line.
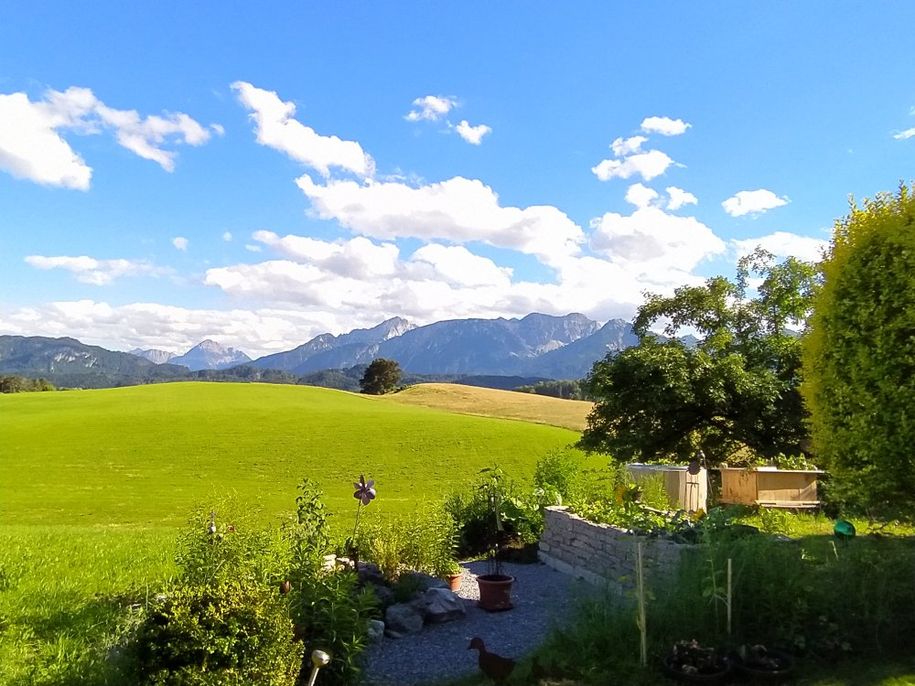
[(147, 455)]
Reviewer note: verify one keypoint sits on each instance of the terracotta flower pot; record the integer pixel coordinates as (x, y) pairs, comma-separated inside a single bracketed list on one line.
[(454, 581), (495, 592)]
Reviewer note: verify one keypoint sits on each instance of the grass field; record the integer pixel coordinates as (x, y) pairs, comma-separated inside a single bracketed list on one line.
[(570, 414), (146, 455), (94, 484)]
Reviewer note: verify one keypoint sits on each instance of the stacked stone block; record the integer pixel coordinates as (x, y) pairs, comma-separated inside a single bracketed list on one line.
[(604, 554)]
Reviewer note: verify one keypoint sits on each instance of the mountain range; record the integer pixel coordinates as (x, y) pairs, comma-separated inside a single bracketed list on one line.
[(535, 346)]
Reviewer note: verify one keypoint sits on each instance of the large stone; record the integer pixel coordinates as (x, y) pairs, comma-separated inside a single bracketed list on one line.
[(375, 630), (441, 605), (402, 619)]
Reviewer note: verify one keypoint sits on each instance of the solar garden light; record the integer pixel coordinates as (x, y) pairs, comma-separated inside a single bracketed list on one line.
[(318, 659)]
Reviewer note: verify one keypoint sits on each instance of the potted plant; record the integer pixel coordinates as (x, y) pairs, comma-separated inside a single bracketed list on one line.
[(453, 574), (762, 663), (495, 586), (691, 662)]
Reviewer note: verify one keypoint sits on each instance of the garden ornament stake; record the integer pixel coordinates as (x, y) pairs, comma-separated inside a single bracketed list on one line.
[(318, 659), (365, 493)]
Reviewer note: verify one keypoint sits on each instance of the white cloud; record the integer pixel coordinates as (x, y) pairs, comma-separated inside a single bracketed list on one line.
[(431, 108), (459, 267), (472, 134), (227, 236), (679, 198), (905, 135), (180, 243), (664, 126), (276, 128), (458, 210), (784, 244), (647, 164), (32, 147), (92, 271), (650, 240), (627, 146), (641, 196), (357, 258), (252, 248), (153, 325), (752, 202)]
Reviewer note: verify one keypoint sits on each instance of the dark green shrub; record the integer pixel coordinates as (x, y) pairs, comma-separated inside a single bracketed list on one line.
[(226, 633), (859, 357)]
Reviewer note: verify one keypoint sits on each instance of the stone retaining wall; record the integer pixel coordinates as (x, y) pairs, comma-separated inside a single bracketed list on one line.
[(601, 553)]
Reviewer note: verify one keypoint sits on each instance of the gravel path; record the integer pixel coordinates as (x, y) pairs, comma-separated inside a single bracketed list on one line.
[(542, 598)]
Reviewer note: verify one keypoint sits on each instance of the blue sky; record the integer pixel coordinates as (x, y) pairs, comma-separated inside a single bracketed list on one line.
[(126, 128)]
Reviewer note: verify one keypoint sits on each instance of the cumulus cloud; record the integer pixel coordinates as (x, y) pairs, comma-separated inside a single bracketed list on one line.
[(180, 243), (227, 236), (92, 271), (458, 210), (152, 325), (431, 108), (32, 146), (679, 198), (650, 240), (276, 128), (784, 244), (752, 202), (627, 146), (664, 126), (905, 135), (641, 196), (648, 165), (472, 134)]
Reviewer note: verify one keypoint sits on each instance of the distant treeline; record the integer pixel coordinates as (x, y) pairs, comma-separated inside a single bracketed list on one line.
[(13, 383), (567, 390)]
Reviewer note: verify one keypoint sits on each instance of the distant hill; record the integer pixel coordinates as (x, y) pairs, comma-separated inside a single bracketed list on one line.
[(569, 414), (66, 362), (209, 354), (153, 355)]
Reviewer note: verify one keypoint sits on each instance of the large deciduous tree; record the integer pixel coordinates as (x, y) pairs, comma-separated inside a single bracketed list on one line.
[(859, 358), (735, 389), (380, 377)]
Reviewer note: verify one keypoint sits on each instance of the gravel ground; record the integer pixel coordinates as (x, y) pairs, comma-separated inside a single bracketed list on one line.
[(542, 598)]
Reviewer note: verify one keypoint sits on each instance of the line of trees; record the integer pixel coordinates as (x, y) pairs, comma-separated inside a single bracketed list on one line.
[(13, 383)]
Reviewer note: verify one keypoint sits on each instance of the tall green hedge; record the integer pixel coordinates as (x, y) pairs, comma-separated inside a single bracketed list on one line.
[(859, 357)]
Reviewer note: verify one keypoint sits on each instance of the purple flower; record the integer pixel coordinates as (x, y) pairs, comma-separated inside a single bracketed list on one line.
[(365, 490)]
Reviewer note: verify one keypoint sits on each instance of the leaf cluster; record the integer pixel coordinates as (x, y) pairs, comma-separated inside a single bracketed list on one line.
[(736, 388)]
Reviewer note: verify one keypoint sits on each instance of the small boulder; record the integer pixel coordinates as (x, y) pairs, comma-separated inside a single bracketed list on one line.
[(402, 619), (440, 605), (375, 630)]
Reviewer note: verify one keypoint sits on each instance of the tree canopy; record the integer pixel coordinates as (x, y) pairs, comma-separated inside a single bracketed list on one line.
[(859, 358), (737, 388), (381, 376)]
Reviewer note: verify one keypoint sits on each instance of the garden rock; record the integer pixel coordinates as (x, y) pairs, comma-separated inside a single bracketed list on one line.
[(441, 605), (402, 619), (384, 594), (375, 630)]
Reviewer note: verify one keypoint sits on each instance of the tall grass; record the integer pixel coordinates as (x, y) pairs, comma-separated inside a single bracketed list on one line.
[(797, 595)]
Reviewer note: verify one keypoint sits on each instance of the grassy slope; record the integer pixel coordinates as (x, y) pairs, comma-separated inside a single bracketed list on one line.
[(146, 455), (570, 414)]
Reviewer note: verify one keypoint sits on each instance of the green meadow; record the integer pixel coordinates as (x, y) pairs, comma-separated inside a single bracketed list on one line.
[(95, 484)]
